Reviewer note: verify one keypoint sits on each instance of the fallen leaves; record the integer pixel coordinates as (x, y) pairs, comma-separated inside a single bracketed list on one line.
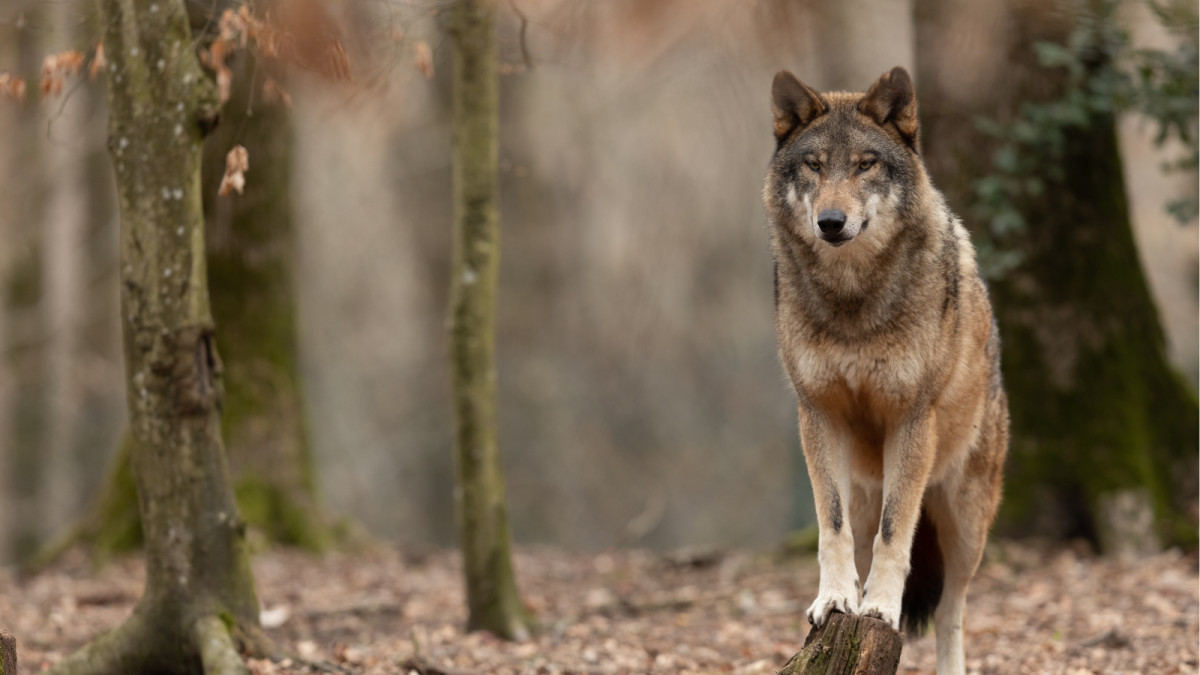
[(1031, 609), (237, 162)]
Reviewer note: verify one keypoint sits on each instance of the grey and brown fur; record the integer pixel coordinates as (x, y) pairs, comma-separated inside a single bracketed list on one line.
[(886, 332)]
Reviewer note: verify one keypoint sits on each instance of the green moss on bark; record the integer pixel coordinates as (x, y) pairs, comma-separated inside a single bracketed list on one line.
[(1096, 407), (197, 563), (493, 602)]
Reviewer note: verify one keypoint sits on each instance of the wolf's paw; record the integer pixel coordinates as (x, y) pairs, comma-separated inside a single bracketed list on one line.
[(828, 603), (874, 610)]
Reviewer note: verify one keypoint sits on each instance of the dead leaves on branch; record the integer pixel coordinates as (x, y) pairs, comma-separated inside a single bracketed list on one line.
[(302, 33), (56, 68), (237, 163), (12, 87)]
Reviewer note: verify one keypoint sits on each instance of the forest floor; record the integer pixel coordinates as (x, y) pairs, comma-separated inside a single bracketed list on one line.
[(1031, 610)]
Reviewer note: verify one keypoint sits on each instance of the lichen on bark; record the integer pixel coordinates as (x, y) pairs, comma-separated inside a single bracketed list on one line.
[(197, 565)]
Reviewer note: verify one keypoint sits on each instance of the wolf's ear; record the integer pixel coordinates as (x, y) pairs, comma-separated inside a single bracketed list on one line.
[(794, 104), (892, 103)]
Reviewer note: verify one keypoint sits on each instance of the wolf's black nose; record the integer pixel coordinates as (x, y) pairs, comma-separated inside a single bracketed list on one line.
[(831, 221)]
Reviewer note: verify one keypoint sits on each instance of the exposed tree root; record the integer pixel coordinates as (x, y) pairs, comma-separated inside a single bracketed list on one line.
[(217, 652)]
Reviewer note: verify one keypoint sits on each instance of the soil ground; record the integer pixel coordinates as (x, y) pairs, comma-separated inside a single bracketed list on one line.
[(1032, 609)]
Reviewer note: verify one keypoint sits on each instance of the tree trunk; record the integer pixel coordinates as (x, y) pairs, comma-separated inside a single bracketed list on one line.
[(492, 597), (251, 248), (250, 252), (8, 654), (1099, 418), (26, 326), (199, 604), (848, 645)]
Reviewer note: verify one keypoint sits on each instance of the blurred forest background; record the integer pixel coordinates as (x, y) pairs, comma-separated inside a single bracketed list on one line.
[(641, 399)]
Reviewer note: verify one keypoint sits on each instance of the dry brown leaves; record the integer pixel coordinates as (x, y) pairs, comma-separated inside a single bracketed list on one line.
[(237, 163), (98, 62), (1031, 610), (424, 59), (301, 33), (12, 87), (56, 68)]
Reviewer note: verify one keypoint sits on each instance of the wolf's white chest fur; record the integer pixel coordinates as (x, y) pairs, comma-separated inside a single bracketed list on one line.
[(860, 368)]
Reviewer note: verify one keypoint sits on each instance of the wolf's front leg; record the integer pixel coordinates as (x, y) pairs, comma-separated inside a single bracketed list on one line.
[(908, 456), (829, 470)]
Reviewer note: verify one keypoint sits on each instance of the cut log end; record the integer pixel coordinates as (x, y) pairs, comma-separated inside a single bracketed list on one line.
[(8, 653), (848, 644)]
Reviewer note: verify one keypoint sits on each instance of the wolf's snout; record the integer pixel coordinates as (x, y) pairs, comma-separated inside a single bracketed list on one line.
[(831, 221)]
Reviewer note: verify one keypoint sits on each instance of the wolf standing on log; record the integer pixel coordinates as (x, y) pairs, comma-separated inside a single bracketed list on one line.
[(887, 334)]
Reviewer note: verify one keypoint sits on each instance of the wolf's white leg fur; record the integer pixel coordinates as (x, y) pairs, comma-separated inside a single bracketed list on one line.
[(826, 455), (948, 621), (908, 456)]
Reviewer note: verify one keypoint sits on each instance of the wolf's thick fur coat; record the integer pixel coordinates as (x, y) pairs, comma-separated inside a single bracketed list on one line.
[(887, 334)]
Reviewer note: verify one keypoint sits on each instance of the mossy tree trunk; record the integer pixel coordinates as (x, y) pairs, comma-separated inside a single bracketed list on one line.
[(492, 598), (1104, 431), (251, 247), (26, 324), (199, 605)]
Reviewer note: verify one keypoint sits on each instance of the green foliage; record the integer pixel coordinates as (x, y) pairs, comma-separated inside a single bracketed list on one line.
[(1104, 76)]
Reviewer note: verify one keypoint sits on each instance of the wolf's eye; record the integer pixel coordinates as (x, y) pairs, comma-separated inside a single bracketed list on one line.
[(865, 165), (814, 165)]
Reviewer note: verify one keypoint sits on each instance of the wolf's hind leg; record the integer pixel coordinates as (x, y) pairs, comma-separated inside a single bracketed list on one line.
[(962, 510)]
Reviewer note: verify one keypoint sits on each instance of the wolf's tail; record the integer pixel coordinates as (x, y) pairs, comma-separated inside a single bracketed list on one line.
[(923, 588)]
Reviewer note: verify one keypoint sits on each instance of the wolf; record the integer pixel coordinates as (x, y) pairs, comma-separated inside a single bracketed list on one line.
[(887, 334)]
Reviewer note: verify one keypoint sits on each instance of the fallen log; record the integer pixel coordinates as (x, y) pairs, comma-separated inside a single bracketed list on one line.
[(856, 645)]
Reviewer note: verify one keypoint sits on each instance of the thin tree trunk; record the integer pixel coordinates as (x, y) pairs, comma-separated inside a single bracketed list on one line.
[(199, 602), (25, 309), (492, 597)]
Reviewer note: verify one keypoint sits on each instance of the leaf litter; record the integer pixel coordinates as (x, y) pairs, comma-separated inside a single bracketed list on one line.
[(1032, 609)]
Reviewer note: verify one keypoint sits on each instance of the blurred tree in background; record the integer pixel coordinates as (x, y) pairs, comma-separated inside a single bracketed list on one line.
[(492, 599), (1104, 429)]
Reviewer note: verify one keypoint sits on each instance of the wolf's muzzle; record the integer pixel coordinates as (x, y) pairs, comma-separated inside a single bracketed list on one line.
[(831, 221)]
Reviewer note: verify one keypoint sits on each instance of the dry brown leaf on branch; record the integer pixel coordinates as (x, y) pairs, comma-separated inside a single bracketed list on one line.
[(424, 59), (12, 87), (56, 67), (273, 91), (98, 62), (237, 162)]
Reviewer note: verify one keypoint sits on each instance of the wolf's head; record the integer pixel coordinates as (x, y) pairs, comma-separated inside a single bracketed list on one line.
[(847, 165)]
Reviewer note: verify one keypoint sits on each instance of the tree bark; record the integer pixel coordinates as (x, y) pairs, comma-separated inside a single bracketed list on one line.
[(848, 645), (250, 254), (199, 599), (1097, 411), (250, 240), (8, 653), (26, 324), (492, 598)]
